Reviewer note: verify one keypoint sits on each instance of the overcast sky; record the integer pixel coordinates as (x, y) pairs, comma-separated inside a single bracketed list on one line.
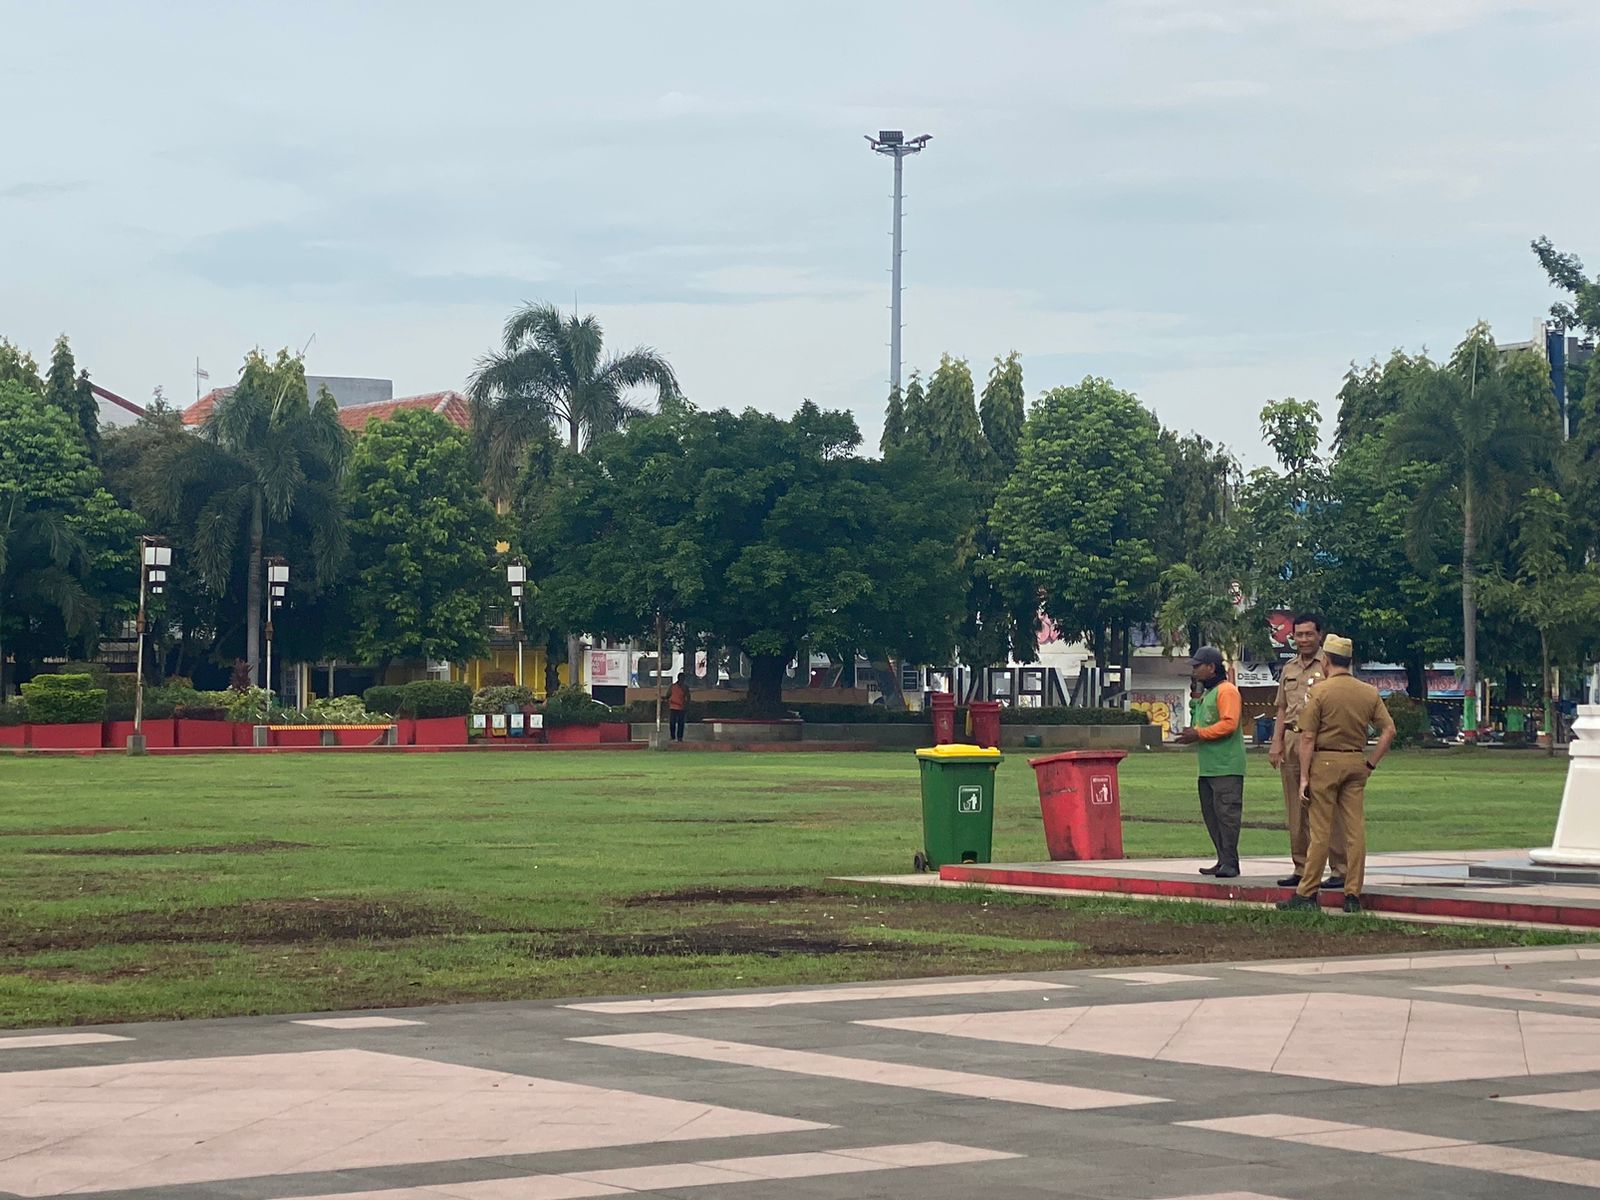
[(1214, 203)]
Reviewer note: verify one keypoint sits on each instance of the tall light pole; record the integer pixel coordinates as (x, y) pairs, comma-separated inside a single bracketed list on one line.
[(893, 143), (154, 559), (277, 590), (517, 577)]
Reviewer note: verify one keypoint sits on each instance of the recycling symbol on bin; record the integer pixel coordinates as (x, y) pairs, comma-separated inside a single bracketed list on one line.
[(969, 800)]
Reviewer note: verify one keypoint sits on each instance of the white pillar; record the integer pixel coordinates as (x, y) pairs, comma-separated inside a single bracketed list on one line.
[(1577, 840)]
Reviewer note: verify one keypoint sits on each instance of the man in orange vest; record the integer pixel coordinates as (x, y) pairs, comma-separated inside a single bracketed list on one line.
[(677, 709)]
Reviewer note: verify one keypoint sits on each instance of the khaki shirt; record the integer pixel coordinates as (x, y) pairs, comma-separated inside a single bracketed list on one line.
[(1340, 713), (1294, 686)]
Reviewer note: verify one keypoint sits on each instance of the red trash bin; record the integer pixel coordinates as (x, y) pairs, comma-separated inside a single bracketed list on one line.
[(943, 707), (1081, 806), (986, 723)]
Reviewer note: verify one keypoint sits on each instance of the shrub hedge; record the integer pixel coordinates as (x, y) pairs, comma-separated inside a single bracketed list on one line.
[(1072, 716), (435, 698), (1411, 724), (63, 700), (644, 711), (572, 705), (385, 698), (502, 698)]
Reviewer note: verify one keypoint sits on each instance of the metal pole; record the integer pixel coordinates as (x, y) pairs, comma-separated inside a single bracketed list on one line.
[(138, 681), (519, 645), (661, 652), (894, 271)]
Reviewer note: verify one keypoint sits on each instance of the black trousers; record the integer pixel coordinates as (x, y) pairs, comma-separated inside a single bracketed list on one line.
[(675, 726), (1222, 809)]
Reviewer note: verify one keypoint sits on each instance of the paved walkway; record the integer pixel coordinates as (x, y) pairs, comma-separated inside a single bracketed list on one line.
[(1448, 1075)]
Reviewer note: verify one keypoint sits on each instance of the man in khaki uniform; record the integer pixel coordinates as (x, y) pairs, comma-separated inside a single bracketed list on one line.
[(1334, 765), (1300, 674)]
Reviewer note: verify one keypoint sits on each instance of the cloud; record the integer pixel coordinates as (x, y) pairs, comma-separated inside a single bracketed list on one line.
[(1389, 20), (41, 189)]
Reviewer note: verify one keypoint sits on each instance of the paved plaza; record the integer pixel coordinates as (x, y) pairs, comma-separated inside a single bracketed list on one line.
[(1454, 1074)]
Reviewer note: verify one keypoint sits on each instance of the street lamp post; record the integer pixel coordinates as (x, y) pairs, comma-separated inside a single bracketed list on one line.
[(154, 560), (893, 143), (517, 577), (277, 590)]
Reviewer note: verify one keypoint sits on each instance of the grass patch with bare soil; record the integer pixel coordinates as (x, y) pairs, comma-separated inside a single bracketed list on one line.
[(181, 887)]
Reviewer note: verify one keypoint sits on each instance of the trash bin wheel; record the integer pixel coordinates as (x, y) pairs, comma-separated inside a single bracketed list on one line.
[(920, 861)]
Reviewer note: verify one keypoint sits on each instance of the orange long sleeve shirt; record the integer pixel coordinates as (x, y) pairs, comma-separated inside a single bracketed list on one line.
[(1229, 706)]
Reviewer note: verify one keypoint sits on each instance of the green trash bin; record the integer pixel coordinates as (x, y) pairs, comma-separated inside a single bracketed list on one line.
[(957, 805)]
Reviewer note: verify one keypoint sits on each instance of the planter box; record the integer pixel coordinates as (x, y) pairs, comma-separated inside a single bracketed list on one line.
[(441, 731), (405, 731), (615, 731), (296, 737), (160, 733), (13, 735), (206, 734), (360, 737), (574, 735), (67, 737)]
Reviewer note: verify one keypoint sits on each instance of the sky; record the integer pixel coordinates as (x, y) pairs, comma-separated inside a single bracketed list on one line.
[(1213, 203)]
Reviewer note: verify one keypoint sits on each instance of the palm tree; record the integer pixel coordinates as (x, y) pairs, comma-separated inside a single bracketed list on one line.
[(265, 454), (1484, 439), (550, 369)]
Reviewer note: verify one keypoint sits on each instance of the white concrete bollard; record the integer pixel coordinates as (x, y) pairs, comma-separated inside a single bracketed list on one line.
[(1577, 840)]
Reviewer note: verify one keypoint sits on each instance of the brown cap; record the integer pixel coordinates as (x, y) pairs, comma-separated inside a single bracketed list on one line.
[(1334, 644)]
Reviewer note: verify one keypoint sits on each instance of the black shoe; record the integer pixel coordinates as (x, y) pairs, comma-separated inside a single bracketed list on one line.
[(1211, 870), (1299, 903), (1289, 881), (1352, 904), (1333, 883), (1226, 872)]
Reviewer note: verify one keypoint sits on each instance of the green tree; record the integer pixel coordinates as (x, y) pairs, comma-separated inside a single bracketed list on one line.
[(1473, 422), (1077, 517), (1199, 498), (420, 579), (67, 388), (1566, 272), (553, 369), (945, 430), (263, 473), (894, 424), (17, 366), (1371, 394), (59, 533), (1557, 596), (1003, 410), (771, 534)]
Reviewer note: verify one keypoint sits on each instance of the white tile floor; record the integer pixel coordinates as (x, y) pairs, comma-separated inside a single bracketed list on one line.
[(898, 991), (865, 1070), (164, 1123), (1373, 1040)]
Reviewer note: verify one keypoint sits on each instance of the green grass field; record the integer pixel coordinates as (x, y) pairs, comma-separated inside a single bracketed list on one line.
[(192, 886)]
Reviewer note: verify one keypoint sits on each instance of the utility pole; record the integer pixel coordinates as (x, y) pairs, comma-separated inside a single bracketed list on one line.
[(893, 143)]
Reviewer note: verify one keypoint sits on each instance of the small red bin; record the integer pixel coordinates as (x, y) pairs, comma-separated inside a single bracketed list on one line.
[(1081, 806)]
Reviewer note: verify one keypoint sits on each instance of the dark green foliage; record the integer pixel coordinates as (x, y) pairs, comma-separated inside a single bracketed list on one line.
[(502, 698), (385, 698), (1410, 719), (944, 432), (894, 424), (418, 577), (13, 713), (552, 369), (435, 698), (67, 388), (1003, 411), (573, 706), (1077, 517), (1566, 272), (63, 700)]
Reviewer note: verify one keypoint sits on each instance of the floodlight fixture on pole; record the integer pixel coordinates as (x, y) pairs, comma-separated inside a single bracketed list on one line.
[(155, 558), (517, 577), (894, 143), (277, 593)]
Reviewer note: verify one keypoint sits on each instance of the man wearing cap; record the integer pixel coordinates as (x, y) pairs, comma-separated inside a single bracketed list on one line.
[(1334, 765), (1220, 735), (1300, 674)]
